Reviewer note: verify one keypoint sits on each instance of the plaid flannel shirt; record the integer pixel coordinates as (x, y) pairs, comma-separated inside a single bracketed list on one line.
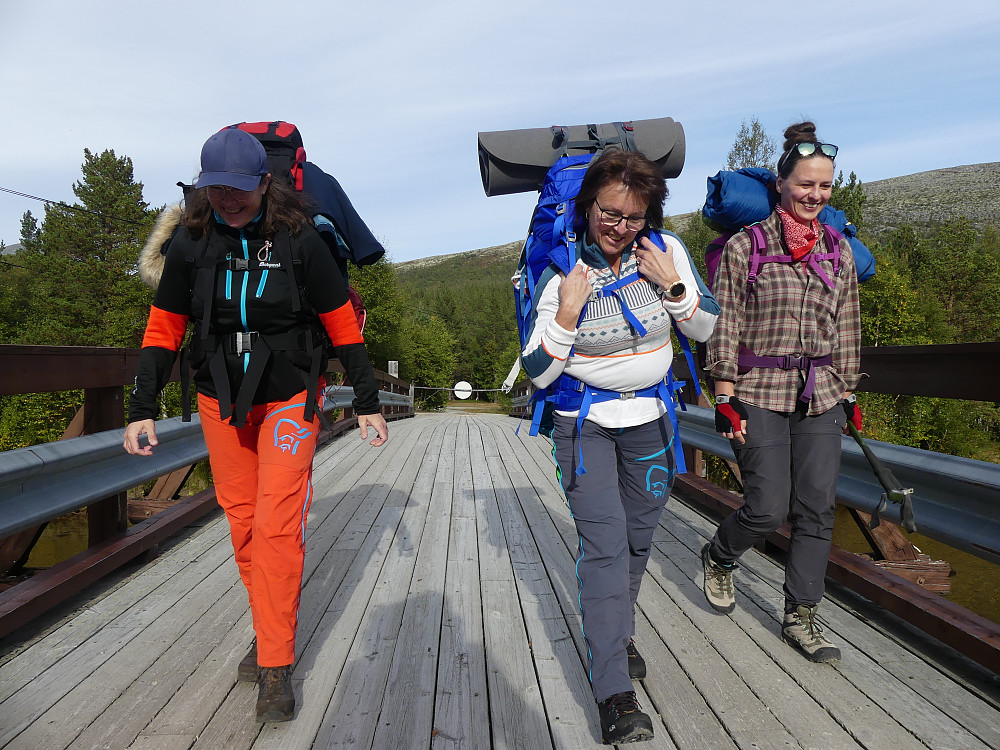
[(789, 312)]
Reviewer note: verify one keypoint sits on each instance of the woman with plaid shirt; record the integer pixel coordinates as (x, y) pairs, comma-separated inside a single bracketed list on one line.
[(785, 356)]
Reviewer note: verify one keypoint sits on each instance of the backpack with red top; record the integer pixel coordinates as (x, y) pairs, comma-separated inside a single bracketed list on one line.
[(347, 236)]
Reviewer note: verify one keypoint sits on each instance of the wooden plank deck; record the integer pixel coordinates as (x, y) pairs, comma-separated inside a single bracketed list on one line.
[(439, 611)]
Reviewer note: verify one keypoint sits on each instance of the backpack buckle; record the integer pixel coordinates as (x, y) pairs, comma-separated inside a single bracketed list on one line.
[(243, 341), (240, 264), (626, 395), (791, 362)]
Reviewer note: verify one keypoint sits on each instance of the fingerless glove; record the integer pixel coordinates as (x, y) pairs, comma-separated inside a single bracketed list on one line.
[(729, 415)]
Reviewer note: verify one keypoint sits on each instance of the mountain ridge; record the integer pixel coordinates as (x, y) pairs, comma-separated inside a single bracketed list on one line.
[(922, 199)]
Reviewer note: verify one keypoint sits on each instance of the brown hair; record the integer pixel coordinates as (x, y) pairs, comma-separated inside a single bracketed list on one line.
[(282, 206), (633, 170), (800, 132)]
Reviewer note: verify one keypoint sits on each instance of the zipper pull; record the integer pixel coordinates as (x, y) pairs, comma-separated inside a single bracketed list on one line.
[(265, 252)]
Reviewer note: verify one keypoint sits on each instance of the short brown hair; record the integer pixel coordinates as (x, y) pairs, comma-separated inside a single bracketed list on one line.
[(633, 170)]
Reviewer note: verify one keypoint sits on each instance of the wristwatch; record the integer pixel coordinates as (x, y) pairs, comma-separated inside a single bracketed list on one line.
[(676, 289), (722, 398)]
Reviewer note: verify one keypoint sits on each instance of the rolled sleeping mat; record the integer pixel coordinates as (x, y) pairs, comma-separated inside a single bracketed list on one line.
[(515, 161)]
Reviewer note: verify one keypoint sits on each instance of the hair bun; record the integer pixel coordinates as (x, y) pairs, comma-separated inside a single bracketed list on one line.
[(800, 132)]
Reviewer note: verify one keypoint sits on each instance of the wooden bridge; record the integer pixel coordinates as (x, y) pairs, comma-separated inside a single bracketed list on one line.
[(439, 611)]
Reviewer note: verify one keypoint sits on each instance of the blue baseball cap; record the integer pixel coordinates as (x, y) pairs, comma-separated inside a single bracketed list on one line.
[(233, 158)]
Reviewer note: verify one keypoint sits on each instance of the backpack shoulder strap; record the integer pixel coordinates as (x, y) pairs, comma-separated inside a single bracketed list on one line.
[(832, 238), (758, 245)]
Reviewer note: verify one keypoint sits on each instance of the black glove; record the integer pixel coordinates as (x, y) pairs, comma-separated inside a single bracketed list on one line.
[(729, 414)]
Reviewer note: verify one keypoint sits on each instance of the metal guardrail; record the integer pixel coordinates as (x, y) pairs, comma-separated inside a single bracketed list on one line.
[(43, 482), (955, 500)]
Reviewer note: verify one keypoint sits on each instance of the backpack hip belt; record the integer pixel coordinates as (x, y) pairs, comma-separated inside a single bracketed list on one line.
[(572, 394), (747, 361)]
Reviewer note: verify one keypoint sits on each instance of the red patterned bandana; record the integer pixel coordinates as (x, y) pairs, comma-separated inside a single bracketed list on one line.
[(799, 238)]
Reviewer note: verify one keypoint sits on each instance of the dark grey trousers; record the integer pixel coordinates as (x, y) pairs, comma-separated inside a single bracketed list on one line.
[(616, 506), (789, 465)]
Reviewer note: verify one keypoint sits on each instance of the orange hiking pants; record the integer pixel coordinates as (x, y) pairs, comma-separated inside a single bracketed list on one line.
[(263, 481)]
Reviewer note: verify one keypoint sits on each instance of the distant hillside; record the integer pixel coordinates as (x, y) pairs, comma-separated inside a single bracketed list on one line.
[(486, 265), (928, 198), (922, 200)]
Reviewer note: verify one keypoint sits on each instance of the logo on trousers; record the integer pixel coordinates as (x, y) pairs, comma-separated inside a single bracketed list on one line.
[(658, 480), (288, 434)]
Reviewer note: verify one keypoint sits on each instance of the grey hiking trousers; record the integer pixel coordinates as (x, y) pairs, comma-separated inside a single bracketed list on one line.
[(616, 506), (789, 464)]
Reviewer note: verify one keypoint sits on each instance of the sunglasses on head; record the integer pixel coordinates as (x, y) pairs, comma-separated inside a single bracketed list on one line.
[(808, 149)]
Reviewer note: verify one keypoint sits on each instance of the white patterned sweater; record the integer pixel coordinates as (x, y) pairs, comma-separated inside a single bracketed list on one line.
[(606, 352)]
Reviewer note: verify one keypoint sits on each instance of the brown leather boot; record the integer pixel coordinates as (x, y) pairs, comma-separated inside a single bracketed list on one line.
[(276, 702), (247, 671)]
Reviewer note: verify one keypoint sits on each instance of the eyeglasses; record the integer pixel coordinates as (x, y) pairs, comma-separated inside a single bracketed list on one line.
[(220, 191), (614, 218)]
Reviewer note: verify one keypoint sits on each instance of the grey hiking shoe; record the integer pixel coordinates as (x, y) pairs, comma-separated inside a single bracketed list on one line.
[(247, 671), (623, 721), (719, 589), (275, 702), (802, 630)]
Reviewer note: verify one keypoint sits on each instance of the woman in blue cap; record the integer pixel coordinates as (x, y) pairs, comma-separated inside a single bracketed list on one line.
[(267, 299)]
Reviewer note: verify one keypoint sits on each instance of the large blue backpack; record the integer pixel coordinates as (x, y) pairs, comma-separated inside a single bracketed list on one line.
[(742, 198), (552, 241)]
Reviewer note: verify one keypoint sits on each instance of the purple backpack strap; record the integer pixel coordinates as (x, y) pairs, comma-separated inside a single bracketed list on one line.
[(758, 244), (833, 238), (713, 256)]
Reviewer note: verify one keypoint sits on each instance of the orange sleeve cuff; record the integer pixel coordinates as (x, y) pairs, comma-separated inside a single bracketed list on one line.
[(342, 325), (165, 329)]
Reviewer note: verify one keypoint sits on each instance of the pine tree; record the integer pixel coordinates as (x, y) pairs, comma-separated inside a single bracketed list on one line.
[(849, 198), (86, 291), (752, 148)]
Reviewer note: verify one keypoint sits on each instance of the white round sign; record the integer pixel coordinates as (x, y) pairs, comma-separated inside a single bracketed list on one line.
[(462, 389)]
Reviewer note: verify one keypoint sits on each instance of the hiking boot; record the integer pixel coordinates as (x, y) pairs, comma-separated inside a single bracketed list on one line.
[(622, 721), (276, 702), (719, 589), (802, 630), (247, 671), (636, 664)]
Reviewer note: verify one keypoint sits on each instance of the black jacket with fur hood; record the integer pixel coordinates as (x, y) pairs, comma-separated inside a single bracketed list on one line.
[(250, 294)]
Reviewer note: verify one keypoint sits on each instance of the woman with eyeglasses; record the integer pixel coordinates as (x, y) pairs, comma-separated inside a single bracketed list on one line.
[(601, 338), (785, 357), (265, 296)]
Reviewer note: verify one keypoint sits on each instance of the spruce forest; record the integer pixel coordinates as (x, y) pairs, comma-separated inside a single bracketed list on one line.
[(73, 282)]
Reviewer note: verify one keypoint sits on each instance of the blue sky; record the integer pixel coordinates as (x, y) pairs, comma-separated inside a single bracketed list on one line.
[(389, 96)]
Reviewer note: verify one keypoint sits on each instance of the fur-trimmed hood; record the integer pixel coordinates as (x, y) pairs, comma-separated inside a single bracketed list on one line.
[(152, 255)]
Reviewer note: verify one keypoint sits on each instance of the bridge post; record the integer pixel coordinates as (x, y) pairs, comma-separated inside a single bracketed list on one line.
[(103, 409)]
